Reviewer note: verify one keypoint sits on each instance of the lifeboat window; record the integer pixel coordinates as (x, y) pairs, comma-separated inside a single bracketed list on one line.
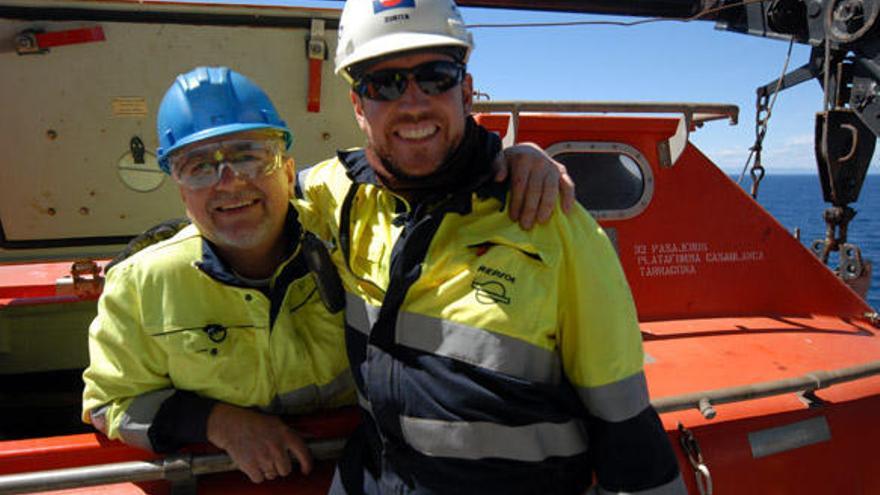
[(612, 180)]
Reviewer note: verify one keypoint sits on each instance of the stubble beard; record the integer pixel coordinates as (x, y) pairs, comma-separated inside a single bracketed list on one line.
[(399, 170), (240, 237)]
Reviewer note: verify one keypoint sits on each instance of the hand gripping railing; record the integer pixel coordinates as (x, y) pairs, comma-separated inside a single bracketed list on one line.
[(173, 468)]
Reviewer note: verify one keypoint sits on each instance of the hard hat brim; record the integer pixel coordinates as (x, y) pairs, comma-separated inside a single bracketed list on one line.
[(390, 44)]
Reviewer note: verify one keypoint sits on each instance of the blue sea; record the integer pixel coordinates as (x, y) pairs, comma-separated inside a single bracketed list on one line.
[(796, 202)]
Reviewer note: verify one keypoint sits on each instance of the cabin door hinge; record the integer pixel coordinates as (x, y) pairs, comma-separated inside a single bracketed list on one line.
[(85, 280)]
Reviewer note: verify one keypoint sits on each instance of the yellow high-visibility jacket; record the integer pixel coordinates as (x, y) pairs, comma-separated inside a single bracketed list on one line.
[(176, 331), (487, 358)]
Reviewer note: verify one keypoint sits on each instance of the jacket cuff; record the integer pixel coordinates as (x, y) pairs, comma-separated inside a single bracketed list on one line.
[(182, 419)]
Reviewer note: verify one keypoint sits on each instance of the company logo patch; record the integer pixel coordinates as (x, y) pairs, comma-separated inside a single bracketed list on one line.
[(490, 292), (383, 5)]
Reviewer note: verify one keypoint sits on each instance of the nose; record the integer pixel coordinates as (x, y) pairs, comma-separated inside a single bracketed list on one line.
[(229, 177), (413, 94)]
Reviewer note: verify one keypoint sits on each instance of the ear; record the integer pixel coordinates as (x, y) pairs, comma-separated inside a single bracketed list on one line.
[(358, 105), (467, 93), (289, 167), (290, 170)]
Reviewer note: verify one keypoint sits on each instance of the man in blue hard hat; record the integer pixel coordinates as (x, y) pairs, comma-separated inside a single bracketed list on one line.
[(487, 359), (210, 334)]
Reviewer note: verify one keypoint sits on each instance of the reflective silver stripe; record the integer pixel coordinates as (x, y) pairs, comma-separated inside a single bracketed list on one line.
[(617, 401), (359, 314), (480, 440), (314, 396), (98, 416), (674, 487), (478, 347), (137, 419)]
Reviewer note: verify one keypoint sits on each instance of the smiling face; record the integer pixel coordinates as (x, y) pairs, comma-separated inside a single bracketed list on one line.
[(239, 214), (417, 132)]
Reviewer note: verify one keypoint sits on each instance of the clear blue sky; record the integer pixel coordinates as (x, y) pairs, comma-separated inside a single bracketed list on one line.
[(666, 61)]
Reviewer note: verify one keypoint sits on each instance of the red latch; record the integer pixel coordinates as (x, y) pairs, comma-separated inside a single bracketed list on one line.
[(316, 50), (36, 42), (72, 37), (314, 101)]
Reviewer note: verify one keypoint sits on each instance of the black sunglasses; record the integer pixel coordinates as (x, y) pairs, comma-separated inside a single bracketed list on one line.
[(432, 78)]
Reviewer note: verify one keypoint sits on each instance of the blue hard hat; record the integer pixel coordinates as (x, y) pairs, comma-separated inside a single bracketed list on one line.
[(207, 102)]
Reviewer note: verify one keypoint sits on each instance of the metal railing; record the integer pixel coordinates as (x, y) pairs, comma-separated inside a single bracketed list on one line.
[(693, 115), (174, 468), (810, 382)]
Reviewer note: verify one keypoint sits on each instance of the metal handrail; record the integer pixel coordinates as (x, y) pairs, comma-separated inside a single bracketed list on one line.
[(807, 383), (172, 468), (696, 113)]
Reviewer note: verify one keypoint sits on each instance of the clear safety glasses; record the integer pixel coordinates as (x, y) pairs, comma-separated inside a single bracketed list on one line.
[(432, 78), (202, 166)]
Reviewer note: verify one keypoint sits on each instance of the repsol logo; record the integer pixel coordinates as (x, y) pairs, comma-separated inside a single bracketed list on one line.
[(494, 272)]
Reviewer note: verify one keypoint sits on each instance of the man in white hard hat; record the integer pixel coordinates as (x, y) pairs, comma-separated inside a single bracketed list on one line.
[(487, 359)]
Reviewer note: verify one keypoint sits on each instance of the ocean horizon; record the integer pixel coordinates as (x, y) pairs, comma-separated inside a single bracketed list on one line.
[(795, 200)]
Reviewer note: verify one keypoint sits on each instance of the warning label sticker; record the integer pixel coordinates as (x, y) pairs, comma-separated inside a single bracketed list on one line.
[(129, 106)]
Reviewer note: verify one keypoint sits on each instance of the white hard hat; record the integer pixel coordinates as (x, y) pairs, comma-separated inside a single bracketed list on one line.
[(374, 28)]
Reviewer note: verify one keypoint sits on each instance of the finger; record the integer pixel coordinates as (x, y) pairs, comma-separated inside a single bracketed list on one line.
[(518, 180), (548, 199), (499, 165), (270, 473), (283, 463), (535, 190), (252, 471), (275, 460), (271, 452), (566, 189), (300, 451), (246, 463)]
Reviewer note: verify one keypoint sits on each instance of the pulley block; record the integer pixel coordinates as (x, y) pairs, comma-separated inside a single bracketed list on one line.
[(844, 146)]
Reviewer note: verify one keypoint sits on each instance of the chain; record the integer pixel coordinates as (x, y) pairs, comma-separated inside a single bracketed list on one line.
[(837, 220), (695, 457), (763, 110), (762, 116)]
